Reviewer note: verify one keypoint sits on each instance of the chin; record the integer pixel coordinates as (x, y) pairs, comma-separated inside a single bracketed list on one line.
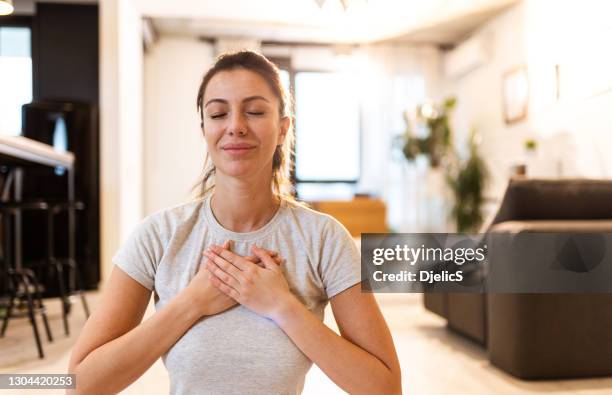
[(238, 169)]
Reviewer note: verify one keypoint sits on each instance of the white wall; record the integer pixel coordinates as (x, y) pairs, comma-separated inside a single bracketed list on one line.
[(573, 133), (174, 145), (479, 97), (120, 125), (398, 78)]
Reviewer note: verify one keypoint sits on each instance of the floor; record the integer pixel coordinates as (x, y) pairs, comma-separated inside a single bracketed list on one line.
[(434, 360)]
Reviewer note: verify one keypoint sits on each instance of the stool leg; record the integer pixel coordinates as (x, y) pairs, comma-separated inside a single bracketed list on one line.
[(60, 280), (9, 310), (43, 312), (79, 284), (32, 316), (7, 316), (41, 306), (58, 268)]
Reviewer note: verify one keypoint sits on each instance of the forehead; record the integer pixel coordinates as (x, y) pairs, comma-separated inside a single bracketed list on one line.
[(237, 84)]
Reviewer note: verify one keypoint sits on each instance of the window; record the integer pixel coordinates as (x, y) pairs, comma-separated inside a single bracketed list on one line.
[(15, 76), (327, 127)]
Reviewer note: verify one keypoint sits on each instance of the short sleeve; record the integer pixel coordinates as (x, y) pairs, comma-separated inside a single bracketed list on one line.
[(340, 259), (140, 254)]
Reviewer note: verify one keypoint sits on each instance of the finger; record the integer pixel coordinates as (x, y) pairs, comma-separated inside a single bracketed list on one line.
[(223, 287), (226, 245), (270, 252), (266, 259), (253, 259), (224, 270), (234, 259)]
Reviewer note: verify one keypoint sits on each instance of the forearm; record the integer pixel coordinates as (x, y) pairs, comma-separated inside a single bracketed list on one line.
[(116, 364), (349, 366)]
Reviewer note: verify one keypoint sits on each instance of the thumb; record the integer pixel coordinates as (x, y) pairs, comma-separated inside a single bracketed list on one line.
[(265, 258), (227, 244)]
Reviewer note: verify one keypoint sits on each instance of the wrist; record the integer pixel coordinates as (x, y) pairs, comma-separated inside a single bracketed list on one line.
[(193, 309), (287, 308)]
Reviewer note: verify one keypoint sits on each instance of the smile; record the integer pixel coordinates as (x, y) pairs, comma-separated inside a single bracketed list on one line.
[(237, 149)]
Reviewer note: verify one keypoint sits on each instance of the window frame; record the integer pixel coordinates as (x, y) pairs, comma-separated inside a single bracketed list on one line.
[(24, 21), (16, 21), (285, 64)]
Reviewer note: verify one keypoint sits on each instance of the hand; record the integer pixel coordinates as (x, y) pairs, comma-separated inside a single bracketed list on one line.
[(263, 290), (255, 259), (207, 299)]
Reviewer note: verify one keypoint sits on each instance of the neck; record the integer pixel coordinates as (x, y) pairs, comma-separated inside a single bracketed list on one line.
[(242, 206)]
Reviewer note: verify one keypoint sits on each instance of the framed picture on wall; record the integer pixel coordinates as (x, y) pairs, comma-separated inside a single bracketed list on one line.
[(515, 91)]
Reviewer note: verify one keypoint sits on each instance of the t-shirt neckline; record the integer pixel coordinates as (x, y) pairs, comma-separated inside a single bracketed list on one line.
[(241, 236)]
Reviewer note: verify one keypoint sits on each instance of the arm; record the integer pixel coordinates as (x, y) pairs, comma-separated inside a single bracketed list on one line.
[(113, 350), (362, 360)]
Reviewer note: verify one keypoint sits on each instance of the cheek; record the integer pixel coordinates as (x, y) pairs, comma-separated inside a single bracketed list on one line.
[(212, 135)]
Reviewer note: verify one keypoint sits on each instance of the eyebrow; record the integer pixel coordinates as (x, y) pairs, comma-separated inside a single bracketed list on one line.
[(245, 100)]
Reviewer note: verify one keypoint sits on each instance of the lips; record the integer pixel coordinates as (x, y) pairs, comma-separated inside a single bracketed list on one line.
[(237, 148)]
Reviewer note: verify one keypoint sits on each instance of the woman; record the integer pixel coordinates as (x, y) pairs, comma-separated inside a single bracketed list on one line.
[(240, 276)]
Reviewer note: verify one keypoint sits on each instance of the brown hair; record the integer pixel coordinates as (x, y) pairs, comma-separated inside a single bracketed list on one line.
[(281, 161)]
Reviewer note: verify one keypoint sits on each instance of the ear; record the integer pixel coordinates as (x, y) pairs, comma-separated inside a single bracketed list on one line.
[(284, 128)]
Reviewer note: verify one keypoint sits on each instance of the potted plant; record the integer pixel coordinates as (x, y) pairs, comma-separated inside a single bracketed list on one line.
[(467, 181), (466, 178), (437, 142)]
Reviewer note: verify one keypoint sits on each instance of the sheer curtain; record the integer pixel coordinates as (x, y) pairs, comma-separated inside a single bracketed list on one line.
[(396, 79)]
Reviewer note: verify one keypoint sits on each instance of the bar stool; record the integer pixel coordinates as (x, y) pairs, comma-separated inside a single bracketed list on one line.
[(59, 264), (51, 262), (23, 286)]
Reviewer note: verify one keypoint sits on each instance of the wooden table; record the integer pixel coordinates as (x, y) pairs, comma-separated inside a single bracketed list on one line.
[(360, 215)]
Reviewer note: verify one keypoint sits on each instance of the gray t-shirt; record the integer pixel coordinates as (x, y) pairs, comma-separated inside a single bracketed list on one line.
[(238, 351)]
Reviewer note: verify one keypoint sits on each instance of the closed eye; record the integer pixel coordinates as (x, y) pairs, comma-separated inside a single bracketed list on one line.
[(256, 113), (218, 115)]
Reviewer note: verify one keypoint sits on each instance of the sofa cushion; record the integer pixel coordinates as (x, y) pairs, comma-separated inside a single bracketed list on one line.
[(559, 199)]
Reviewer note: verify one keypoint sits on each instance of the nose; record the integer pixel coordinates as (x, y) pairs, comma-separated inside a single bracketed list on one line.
[(237, 125)]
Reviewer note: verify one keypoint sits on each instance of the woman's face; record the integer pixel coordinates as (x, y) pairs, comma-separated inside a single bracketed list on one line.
[(242, 124)]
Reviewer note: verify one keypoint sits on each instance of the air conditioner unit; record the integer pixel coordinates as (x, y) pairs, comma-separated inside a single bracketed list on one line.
[(467, 56)]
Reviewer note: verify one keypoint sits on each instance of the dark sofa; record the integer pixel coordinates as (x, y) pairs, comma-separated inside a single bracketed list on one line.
[(541, 336)]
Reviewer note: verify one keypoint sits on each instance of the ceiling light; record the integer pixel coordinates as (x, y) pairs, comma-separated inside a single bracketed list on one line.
[(345, 3), (6, 7)]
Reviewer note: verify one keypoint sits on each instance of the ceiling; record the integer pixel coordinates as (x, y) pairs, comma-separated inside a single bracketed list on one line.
[(441, 22)]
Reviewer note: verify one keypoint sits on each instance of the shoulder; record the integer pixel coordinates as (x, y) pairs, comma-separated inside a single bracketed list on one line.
[(315, 221), (167, 220)]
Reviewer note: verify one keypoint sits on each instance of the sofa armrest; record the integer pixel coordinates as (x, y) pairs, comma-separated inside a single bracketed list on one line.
[(553, 226)]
